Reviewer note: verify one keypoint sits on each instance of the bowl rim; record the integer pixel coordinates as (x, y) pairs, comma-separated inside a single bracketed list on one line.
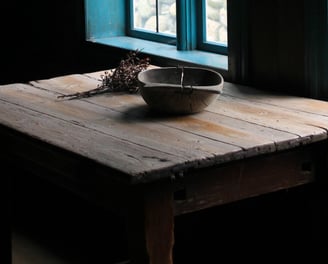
[(217, 88)]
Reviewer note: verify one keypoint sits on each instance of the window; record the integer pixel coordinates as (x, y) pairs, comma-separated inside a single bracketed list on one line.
[(188, 24), (181, 31), (278, 45)]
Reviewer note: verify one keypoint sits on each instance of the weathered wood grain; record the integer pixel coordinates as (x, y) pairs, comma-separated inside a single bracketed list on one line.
[(192, 149), (67, 84), (300, 104), (135, 160), (118, 124), (310, 128), (244, 179), (237, 125), (191, 135)]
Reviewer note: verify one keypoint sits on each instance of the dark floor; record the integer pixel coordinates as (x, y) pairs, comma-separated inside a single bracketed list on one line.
[(52, 226)]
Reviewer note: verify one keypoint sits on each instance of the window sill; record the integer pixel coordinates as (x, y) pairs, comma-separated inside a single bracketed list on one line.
[(164, 51)]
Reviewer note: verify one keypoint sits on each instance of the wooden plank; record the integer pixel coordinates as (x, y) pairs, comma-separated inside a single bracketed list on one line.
[(313, 110), (301, 104), (250, 137), (244, 139), (67, 84), (253, 139), (90, 180), (310, 128), (234, 129), (116, 124), (190, 147), (138, 162), (244, 179)]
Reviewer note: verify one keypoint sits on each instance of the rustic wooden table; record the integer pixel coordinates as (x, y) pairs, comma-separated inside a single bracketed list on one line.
[(111, 148)]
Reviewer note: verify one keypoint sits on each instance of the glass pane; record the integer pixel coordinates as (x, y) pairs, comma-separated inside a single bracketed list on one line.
[(167, 17), (216, 21), (156, 16), (144, 16)]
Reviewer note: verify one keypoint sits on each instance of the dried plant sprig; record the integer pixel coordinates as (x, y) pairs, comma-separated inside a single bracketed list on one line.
[(123, 78)]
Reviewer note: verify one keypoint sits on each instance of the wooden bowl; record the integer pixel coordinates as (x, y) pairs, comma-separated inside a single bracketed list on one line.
[(180, 90)]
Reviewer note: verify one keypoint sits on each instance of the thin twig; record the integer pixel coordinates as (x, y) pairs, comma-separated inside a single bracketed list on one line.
[(122, 78)]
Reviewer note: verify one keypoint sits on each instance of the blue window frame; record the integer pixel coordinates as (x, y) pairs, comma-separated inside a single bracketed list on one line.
[(144, 21), (192, 23), (107, 23), (205, 39)]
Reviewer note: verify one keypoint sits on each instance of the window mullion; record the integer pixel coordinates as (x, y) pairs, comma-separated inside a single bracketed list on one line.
[(202, 34), (201, 23), (186, 24), (157, 17)]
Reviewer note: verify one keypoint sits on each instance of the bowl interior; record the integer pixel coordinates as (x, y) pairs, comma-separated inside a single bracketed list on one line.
[(180, 76)]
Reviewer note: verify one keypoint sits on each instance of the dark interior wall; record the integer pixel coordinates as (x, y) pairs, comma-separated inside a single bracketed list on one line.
[(41, 39), (277, 33)]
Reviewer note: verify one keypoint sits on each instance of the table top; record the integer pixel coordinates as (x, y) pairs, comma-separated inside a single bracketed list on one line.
[(119, 130)]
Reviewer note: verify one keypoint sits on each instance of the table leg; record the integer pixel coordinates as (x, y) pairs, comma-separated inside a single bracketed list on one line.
[(150, 224)]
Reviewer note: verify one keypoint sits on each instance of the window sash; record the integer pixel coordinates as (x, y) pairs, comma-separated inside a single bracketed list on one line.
[(190, 33), (202, 42), (145, 34)]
